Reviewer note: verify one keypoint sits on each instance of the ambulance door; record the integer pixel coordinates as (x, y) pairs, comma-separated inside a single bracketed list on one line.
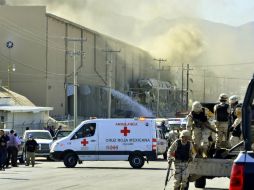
[(112, 140), (85, 142), (161, 142)]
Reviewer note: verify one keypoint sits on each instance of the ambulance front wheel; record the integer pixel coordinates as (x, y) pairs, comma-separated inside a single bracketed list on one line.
[(70, 160), (136, 161)]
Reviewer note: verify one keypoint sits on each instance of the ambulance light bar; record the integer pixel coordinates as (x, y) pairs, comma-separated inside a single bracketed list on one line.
[(140, 118)]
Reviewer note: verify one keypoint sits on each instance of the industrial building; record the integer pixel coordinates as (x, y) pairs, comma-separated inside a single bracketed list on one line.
[(39, 53)]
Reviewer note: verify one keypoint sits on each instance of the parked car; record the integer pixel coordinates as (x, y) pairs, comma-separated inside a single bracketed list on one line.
[(61, 133), (174, 123), (43, 138), (183, 123)]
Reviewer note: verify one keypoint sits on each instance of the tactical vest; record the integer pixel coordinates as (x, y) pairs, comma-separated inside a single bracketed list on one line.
[(221, 113), (199, 118), (182, 151)]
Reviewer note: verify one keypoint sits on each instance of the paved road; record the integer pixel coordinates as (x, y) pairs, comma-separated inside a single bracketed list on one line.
[(105, 175)]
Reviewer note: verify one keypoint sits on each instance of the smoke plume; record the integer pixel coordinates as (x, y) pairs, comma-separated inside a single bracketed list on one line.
[(2, 2), (180, 44)]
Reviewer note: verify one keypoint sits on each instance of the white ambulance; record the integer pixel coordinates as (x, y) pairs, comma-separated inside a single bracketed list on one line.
[(133, 140)]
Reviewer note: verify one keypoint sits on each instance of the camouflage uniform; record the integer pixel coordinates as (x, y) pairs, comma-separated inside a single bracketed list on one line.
[(181, 173), (221, 123), (236, 128), (196, 122)]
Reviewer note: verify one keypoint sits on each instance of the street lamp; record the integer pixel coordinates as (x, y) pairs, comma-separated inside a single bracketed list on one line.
[(10, 68)]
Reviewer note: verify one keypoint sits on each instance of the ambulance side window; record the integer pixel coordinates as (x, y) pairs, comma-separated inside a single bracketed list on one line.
[(87, 130)]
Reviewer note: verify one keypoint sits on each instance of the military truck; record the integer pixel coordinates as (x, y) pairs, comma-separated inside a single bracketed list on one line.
[(202, 169), (242, 173)]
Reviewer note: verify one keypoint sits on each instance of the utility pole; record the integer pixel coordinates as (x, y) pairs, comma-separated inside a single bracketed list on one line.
[(204, 86), (187, 87), (74, 53), (182, 88), (10, 45), (158, 89), (109, 71)]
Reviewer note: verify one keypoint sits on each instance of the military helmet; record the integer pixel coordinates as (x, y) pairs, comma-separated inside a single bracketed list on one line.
[(233, 99), (185, 133), (223, 97), (196, 106)]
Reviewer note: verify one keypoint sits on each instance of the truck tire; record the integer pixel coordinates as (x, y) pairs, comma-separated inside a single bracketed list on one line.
[(136, 161), (70, 160), (200, 182)]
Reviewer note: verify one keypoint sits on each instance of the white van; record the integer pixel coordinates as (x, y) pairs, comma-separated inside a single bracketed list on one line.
[(174, 123), (134, 140)]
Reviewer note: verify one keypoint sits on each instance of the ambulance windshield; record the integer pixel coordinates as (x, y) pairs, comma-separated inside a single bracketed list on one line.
[(87, 130)]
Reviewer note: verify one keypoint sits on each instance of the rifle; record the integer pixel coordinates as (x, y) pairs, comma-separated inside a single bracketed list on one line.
[(168, 172), (206, 124)]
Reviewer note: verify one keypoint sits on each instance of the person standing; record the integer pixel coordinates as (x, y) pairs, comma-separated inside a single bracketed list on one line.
[(3, 149), (233, 102), (197, 122), (221, 113), (181, 151), (236, 127), (58, 129), (12, 148), (163, 127), (30, 148)]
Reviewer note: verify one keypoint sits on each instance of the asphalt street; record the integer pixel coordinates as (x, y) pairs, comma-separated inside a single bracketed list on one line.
[(94, 175)]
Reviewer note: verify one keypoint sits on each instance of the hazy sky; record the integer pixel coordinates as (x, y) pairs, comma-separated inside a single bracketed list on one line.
[(231, 12)]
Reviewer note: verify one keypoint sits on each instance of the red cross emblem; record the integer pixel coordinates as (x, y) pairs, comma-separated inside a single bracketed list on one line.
[(125, 131), (84, 142)]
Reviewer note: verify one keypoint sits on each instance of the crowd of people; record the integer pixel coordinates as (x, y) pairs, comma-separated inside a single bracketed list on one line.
[(10, 144), (9, 147), (197, 138)]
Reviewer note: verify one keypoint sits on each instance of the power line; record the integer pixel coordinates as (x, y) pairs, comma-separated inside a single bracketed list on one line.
[(223, 77), (225, 65)]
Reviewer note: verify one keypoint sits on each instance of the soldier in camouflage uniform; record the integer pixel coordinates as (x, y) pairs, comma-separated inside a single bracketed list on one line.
[(197, 122), (181, 152), (221, 112), (233, 103), (236, 127)]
